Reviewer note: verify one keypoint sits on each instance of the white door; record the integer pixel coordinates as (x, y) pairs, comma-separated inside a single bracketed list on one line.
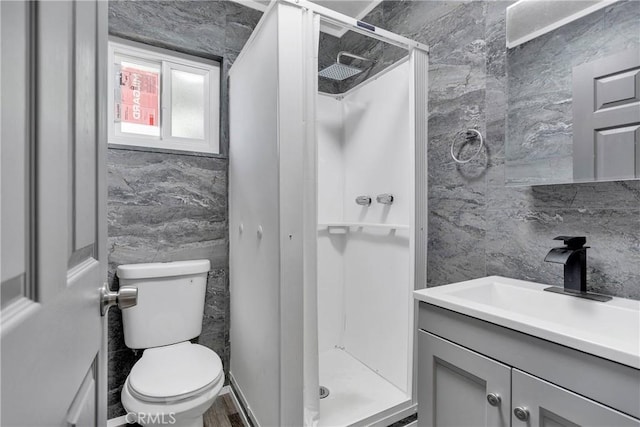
[(53, 259)]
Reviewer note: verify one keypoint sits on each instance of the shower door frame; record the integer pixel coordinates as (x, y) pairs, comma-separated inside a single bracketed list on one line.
[(418, 58), (352, 25), (295, 217)]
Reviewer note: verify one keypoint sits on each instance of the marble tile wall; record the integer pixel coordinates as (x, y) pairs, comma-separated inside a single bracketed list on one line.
[(173, 206), (477, 225)]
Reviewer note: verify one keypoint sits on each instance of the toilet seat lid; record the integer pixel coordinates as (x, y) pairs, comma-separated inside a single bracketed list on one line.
[(174, 371)]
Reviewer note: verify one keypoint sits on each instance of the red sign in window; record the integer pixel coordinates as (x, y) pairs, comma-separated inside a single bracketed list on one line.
[(139, 96)]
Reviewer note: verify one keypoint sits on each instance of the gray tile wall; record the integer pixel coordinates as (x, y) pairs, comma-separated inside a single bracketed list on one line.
[(477, 226), (173, 206)]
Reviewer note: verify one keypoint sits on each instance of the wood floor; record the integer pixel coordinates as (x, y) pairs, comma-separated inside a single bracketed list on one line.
[(223, 413)]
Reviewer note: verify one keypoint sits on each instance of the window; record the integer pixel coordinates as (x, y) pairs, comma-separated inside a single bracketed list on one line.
[(163, 99)]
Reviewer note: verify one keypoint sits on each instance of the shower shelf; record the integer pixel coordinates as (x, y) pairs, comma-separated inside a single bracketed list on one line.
[(343, 227)]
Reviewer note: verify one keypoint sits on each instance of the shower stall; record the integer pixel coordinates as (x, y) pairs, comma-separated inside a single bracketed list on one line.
[(327, 219)]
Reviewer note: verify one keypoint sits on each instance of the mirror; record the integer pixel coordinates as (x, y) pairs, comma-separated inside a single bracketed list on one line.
[(573, 109)]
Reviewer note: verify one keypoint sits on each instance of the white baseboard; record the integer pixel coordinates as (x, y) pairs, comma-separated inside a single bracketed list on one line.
[(236, 403), (117, 422), (243, 407)]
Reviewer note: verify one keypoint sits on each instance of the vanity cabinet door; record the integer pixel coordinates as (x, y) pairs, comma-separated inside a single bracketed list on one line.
[(539, 403), (454, 385)]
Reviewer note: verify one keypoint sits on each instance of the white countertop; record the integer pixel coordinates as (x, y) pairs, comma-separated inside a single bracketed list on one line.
[(610, 330)]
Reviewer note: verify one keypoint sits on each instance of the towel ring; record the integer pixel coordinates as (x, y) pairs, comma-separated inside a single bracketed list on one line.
[(470, 134)]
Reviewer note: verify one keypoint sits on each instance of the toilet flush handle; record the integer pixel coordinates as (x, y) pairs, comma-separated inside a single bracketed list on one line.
[(126, 297)]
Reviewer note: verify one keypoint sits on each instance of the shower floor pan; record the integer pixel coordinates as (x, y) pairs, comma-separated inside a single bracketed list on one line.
[(356, 392)]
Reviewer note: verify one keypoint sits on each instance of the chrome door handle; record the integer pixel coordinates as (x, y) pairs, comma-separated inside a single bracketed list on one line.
[(126, 297)]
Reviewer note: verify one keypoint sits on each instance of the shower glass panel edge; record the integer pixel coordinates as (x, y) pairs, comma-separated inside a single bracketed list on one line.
[(419, 113), (310, 316)]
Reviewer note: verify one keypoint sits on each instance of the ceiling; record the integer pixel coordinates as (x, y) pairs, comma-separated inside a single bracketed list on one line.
[(353, 8)]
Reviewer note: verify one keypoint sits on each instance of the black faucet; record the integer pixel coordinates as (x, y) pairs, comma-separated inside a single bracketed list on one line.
[(574, 257)]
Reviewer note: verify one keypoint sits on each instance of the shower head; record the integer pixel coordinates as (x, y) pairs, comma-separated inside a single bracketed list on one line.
[(340, 71)]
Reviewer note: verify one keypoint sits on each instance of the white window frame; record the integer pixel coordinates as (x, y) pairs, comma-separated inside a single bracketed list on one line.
[(167, 61)]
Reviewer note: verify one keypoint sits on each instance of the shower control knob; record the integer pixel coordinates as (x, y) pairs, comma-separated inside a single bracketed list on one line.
[(385, 199), (363, 200), (494, 399), (521, 413)]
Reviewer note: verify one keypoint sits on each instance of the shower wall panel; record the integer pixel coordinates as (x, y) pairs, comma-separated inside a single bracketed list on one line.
[(376, 148), (330, 129), (329, 125), (364, 276), (378, 158), (253, 203), (266, 210)]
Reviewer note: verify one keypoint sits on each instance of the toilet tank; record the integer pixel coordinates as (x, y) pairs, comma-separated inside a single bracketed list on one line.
[(170, 302)]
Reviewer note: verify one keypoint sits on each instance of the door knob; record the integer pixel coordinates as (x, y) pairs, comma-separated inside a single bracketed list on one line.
[(494, 399), (126, 297), (521, 413)]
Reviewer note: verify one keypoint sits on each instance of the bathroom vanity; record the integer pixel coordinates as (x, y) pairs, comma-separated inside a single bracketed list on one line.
[(500, 352)]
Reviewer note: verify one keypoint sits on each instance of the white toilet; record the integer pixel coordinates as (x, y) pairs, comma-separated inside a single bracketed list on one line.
[(174, 382)]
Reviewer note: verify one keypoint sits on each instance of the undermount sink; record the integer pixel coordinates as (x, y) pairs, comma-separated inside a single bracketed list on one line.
[(607, 329)]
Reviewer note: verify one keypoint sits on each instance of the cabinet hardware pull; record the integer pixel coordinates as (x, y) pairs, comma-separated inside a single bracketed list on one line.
[(521, 413), (494, 399)]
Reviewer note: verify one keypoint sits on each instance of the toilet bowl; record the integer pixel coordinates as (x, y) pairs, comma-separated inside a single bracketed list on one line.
[(173, 385), (175, 381)]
